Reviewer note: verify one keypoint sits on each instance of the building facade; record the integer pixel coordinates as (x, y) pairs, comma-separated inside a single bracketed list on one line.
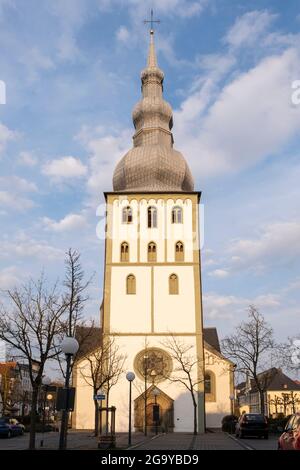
[(281, 396)]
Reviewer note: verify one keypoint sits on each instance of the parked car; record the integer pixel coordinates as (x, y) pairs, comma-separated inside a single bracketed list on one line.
[(290, 438), (252, 424), (9, 427)]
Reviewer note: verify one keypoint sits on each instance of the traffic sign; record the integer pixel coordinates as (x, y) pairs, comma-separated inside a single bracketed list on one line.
[(99, 397)]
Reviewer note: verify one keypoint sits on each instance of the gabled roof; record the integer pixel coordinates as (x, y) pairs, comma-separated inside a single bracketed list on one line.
[(210, 336), (89, 339), (274, 379)]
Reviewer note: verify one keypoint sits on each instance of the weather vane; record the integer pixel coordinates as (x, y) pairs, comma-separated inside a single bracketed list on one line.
[(151, 21)]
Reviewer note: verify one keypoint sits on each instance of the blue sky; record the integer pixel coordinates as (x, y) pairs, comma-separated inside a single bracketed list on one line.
[(72, 68)]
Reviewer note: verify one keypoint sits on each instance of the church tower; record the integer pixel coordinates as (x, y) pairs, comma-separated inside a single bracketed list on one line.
[(152, 283)]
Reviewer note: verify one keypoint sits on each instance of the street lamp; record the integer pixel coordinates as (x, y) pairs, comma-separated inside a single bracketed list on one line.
[(130, 377), (145, 376), (46, 381), (156, 392), (69, 347), (231, 398)]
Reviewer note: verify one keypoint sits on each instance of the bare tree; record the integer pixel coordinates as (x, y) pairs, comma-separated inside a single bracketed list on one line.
[(288, 354), (249, 347), (75, 298), (29, 324), (101, 369), (188, 370)]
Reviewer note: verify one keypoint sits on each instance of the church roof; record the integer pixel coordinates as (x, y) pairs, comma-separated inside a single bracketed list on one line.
[(152, 164), (211, 337)]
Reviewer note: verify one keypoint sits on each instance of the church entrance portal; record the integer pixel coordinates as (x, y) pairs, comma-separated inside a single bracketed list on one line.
[(162, 419)]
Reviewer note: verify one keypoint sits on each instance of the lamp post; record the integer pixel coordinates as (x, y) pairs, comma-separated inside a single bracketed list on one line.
[(156, 393), (231, 398), (145, 376), (69, 347), (45, 383), (130, 377)]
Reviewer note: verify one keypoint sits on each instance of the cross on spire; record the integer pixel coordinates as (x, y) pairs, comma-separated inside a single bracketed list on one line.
[(151, 21)]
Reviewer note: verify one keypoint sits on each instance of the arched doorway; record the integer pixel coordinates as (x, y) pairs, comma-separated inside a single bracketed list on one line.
[(165, 405)]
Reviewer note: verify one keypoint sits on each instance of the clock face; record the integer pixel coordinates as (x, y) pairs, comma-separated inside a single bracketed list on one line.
[(154, 364)]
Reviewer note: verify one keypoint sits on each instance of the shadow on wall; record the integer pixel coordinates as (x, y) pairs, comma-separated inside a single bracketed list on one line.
[(214, 417)]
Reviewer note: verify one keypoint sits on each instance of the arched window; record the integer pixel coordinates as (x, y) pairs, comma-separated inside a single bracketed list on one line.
[(173, 284), (179, 251), (152, 217), (177, 215), (127, 215), (131, 284), (210, 386), (152, 252), (125, 252)]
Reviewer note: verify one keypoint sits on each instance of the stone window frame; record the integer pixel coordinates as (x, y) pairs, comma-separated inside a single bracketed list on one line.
[(177, 215), (131, 284), (179, 251), (212, 395), (152, 253), (152, 217), (127, 215), (173, 284), (124, 252)]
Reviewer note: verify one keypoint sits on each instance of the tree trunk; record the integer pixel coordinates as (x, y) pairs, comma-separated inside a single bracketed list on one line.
[(35, 393), (96, 418), (195, 420), (262, 401)]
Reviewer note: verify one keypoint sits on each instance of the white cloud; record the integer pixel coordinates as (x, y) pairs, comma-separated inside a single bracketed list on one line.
[(69, 222), (14, 201), (10, 277), (104, 149), (5, 136), (65, 168), (277, 243), (251, 118), (17, 185), (30, 248), (248, 28), (35, 61), (27, 158), (122, 34), (219, 273)]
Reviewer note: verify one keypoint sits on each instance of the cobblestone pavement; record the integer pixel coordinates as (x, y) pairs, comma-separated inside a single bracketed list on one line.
[(179, 441), (259, 444), (76, 440), (176, 441)]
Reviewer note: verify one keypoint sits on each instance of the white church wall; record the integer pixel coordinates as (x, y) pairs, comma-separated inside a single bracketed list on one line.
[(174, 313), (131, 313), (221, 407), (119, 396)]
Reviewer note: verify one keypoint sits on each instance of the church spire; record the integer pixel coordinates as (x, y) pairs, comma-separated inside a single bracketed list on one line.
[(152, 164), (152, 60)]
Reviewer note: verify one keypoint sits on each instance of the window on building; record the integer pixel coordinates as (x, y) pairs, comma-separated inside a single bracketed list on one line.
[(173, 284), (152, 252), (210, 386), (177, 215), (179, 251), (127, 215), (124, 252), (152, 217), (131, 284)]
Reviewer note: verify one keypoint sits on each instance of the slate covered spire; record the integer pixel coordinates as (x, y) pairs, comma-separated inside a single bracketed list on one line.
[(152, 164)]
